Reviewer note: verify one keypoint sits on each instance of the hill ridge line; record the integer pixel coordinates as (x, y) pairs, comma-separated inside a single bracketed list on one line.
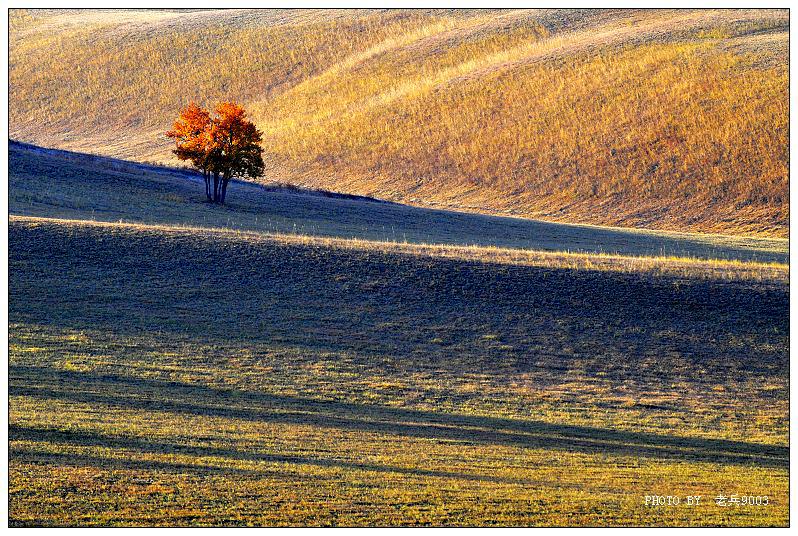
[(664, 265)]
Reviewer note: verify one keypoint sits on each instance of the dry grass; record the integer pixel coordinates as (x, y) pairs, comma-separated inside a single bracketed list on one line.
[(661, 119)]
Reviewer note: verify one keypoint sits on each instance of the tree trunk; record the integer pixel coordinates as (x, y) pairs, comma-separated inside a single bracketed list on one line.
[(207, 176), (225, 181), (216, 187)]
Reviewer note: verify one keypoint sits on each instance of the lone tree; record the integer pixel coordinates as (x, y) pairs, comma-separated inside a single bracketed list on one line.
[(224, 146)]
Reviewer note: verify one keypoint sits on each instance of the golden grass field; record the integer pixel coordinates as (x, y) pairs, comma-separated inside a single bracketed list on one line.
[(298, 359), (662, 119)]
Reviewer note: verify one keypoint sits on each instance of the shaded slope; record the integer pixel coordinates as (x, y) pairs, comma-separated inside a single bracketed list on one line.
[(57, 184)]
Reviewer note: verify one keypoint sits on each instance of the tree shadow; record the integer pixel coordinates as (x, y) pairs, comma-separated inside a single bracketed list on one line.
[(73, 459), (377, 305), (189, 399), (139, 444)]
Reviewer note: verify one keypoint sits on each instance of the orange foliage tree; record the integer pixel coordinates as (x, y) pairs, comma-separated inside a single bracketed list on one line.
[(192, 134), (222, 147)]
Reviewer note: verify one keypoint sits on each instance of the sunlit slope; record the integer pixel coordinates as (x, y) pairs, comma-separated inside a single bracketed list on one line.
[(661, 119)]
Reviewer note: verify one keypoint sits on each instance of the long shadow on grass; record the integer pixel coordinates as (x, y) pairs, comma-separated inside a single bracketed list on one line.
[(122, 462), (139, 444), (181, 398), (376, 304)]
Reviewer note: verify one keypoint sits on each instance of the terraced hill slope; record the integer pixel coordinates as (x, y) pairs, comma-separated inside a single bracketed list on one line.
[(661, 119)]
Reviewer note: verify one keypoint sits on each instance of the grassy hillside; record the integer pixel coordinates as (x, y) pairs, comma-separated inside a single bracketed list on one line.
[(190, 377), (663, 119), (74, 186), (284, 361)]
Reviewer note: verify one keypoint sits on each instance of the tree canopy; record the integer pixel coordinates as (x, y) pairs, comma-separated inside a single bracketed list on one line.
[(221, 147)]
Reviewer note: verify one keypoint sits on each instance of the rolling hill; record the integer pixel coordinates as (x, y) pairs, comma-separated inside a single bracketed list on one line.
[(74, 186), (673, 120), (288, 359)]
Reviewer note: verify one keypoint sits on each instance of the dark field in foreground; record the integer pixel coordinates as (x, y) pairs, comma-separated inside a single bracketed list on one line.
[(195, 377)]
